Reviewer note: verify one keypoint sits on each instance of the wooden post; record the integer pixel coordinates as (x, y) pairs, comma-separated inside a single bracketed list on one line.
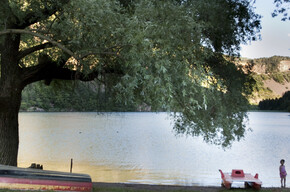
[(71, 165)]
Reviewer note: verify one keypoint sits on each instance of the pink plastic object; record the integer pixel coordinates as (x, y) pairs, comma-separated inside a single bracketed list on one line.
[(238, 173)]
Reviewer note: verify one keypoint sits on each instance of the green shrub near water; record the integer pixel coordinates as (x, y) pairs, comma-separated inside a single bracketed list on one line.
[(281, 77)]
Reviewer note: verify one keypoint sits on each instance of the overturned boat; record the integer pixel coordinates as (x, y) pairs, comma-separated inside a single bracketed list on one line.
[(36, 179)]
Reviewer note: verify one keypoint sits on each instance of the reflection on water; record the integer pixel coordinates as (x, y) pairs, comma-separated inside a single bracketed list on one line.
[(141, 148)]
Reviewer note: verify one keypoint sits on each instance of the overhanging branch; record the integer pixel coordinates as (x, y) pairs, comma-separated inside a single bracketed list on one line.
[(30, 50), (22, 31), (47, 70)]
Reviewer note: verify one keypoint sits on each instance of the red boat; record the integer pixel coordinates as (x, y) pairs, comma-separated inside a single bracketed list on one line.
[(35, 179), (238, 175)]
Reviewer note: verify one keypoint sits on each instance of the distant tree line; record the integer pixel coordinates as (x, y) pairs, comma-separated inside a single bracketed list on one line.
[(70, 96), (282, 103), (271, 63)]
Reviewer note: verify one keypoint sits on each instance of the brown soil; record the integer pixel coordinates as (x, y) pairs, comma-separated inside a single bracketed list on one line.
[(277, 88)]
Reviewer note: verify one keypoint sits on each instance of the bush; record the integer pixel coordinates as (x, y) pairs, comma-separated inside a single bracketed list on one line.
[(278, 77)]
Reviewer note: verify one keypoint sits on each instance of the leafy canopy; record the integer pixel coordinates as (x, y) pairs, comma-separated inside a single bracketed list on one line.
[(168, 54)]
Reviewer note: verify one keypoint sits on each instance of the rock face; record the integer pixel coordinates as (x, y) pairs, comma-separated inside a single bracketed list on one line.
[(273, 76), (259, 69), (284, 66), (277, 88)]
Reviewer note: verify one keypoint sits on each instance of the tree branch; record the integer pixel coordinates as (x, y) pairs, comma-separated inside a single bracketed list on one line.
[(30, 50), (22, 31), (48, 70)]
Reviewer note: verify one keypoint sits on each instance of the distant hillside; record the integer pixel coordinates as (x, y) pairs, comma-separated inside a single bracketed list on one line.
[(268, 65), (272, 76)]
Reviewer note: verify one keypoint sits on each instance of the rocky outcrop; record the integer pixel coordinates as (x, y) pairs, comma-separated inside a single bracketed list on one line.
[(284, 66)]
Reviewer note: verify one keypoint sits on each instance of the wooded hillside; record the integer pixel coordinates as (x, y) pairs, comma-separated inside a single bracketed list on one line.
[(272, 77)]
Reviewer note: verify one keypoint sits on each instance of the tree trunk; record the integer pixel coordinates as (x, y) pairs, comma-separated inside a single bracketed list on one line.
[(9, 137), (11, 87)]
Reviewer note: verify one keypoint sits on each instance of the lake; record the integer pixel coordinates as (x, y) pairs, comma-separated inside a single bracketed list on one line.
[(142, 148)]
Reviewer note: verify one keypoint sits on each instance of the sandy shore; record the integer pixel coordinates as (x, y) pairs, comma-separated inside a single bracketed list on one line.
[(146, 187)]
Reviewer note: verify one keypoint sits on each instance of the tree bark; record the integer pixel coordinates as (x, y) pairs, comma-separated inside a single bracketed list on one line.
[(9, 136), (10, 99)]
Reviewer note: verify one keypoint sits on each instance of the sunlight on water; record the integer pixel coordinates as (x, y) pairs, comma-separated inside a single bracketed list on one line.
[(142, 148)]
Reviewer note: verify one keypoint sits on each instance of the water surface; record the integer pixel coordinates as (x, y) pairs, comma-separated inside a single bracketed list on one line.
[(142, 148)]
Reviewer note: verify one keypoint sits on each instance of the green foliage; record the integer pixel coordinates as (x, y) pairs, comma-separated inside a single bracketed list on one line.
[(164, 54), (282, 103), (260, 92), (281, 77), (278, 77), (69, 96)]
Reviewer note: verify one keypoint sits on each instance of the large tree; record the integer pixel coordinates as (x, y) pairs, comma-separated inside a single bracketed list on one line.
[(167, 54)]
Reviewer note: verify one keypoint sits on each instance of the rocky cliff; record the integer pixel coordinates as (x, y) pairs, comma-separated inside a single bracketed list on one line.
[(272, 76)]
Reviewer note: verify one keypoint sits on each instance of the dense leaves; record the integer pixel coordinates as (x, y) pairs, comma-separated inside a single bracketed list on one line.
[(70, 96), (163, 54), (282, 103)]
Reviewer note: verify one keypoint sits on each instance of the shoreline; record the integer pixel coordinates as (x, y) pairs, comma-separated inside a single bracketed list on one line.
[(150, 187)]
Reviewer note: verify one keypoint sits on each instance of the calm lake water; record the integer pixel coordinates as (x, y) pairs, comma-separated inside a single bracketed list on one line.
[(142, 148)]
